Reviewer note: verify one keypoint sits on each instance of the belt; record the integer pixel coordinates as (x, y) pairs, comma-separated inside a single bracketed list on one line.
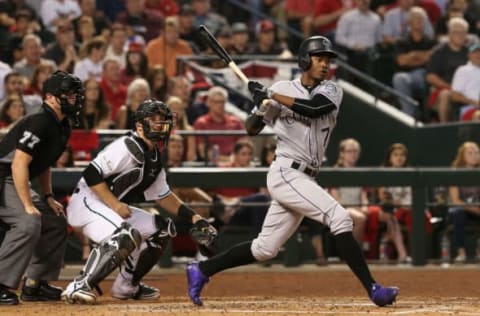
[(309, 171)]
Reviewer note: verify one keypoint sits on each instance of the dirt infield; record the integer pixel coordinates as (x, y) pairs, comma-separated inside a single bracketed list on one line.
[(285, 292)]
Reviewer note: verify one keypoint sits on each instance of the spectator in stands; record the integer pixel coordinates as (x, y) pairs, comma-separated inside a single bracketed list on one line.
[(12, 110), (32, 52), (186, 28), (164, 49), (95, 113), (117, 46), (24, 24), (91, 66), (137, 92), (327, 14), (358, 31), (41, 73), (204, 15), (85, 29), (217, 119), (445, 59), (240, 39), (459, 8), (63, 51), (176, 152), (181, 87), (412, 54), (300, 16), (100, 21), (165, 7), (266, 44), (137, 63), (177, 106), (54, 9), (354, 198), (396, 201), (465, 94), (5, 69), (114, 90), (396, 22), (234, 213), (15, 86), (468, 156), (145, 22), (158, 81)]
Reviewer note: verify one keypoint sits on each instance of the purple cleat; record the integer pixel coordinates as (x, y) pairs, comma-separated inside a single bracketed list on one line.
[(196, 282), (383, 296)]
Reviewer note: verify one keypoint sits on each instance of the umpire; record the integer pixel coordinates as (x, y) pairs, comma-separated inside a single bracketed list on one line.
[(35, 242)]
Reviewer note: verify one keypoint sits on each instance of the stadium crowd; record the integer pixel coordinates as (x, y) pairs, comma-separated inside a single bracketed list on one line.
[(125, 52)]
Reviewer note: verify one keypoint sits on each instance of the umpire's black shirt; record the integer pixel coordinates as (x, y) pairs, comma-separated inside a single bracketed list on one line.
[(41, 135)]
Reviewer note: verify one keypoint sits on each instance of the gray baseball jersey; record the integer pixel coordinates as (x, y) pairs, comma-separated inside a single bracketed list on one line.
[(301, 144), (299, 137)]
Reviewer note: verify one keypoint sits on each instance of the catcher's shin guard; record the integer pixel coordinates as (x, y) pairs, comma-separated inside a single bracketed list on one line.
[(155, 246), (110, 255)]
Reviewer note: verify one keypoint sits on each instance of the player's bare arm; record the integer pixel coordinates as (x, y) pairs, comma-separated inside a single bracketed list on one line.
[(21, 175), (45, 182)]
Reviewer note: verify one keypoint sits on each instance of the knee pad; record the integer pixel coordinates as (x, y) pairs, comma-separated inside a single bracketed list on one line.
[(263, 251), (110, 254)]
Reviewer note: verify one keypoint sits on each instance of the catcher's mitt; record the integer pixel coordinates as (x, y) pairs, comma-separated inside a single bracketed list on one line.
[(205, 236)]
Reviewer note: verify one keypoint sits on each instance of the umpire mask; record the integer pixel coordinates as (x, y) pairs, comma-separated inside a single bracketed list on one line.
[(69, 91), (156, 119)]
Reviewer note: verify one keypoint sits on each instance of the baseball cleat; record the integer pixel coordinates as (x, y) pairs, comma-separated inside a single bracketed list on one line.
[(40, 293), (144, 292), (79, 293), (196, 282), (383, 296)]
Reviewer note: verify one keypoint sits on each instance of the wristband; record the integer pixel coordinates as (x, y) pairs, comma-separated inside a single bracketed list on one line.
[(46, 196), (186, 213)]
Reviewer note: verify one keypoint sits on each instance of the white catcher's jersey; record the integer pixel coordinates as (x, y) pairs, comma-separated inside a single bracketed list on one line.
[(299, 137), (116, 159)]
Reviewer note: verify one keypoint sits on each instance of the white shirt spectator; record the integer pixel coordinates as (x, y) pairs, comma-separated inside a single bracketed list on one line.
[(86, 69), (466, 80), (4, 70), (52, 9), (395, 24), (355, 28), (122, 58)]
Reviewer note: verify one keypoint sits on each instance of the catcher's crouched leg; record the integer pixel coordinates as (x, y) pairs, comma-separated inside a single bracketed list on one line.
[(127, 285), (102, 261)]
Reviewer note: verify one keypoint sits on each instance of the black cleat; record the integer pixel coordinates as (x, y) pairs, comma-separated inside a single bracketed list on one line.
[(43, 292), (7, 297)]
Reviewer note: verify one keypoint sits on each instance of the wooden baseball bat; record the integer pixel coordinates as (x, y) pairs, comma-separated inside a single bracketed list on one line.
[(221, 52)]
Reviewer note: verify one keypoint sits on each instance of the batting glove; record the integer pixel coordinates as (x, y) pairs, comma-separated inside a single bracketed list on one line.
[(259, 92)]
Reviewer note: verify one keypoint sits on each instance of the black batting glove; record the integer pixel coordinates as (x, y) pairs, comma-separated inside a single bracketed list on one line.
[(259, 92)]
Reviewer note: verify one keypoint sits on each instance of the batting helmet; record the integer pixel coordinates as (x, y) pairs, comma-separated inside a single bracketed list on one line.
[(62, 84), (314, 45), (155, 130)]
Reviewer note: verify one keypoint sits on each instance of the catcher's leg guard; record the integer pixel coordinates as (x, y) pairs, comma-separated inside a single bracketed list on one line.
[(108, 256), (127, 285)]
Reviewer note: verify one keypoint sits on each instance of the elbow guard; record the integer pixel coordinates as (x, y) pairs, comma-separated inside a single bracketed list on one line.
[(319, 105), (92, 176), (254, 124)]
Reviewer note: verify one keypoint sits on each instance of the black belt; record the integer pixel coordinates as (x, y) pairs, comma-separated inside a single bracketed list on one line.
[(308, 171)]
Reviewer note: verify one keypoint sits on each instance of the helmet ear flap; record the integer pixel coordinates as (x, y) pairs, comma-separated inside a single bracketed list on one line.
[(304, 61)]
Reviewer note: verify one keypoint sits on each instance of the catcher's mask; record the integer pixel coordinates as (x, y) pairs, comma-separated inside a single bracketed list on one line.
[(69, 91), (156, 119)]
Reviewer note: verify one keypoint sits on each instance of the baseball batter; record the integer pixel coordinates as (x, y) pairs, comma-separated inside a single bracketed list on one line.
[(129, 170), (302, 113)]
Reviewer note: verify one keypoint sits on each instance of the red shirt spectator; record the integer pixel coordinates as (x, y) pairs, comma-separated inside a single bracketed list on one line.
[(165, 7), (217, 119), (114, 91)]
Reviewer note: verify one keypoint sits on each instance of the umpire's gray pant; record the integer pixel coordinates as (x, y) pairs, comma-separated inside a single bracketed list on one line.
[(33, 246)]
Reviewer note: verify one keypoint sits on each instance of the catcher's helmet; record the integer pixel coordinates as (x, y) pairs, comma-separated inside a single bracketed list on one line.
[(155, 130), (62, 84), (314, 45)]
